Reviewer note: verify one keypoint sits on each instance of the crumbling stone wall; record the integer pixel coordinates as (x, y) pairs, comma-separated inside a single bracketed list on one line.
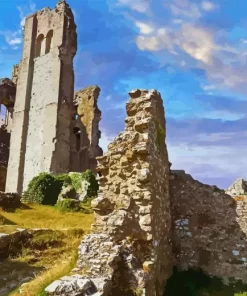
[(4, 155), (209, 228), (15, 71), (85, 142), (43, 113), (130, 247), (4, 146)]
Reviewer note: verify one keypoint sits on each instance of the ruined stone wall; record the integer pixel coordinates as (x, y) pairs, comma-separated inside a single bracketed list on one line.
[(43, 113), (209, 228), (130, 247), (15, 72), (85, 143), (4, 155)]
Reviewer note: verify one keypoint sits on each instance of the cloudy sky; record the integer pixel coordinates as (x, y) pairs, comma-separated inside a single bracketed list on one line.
[(192, 51)]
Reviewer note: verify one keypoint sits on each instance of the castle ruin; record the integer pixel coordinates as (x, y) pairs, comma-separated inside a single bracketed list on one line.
[(47, 132), (148, 218)]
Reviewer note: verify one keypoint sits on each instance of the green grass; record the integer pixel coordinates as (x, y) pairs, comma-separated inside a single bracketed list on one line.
[(50, 254), (40, 216)]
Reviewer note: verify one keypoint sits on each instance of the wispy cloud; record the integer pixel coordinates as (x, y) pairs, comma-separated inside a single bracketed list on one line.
[(208, 6), (141, 6), (14, 38)]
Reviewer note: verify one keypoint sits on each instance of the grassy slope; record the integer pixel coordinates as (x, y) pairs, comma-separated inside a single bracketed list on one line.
[(52, 254), (38, 216)]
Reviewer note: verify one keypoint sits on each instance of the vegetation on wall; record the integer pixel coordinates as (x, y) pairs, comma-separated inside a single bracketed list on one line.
[(93, 183), (45, 188), (78, 178)]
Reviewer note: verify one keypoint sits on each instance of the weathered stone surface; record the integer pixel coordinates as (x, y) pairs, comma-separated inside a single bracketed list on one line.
[(238, 187), (3, 174), (74, 285), (4, 146), (209, 228), (42, 129), (87, 134), (102, 205), (15, 72), (9, 200), (131, 241), (7, 92), (68, 192)]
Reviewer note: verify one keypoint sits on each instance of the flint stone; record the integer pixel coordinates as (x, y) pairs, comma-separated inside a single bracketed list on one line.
[(75, 285)]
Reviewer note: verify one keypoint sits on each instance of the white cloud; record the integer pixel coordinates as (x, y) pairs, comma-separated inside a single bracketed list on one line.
[(177, 21), (14, 41), (13, 38), (208, 87), (105, 140), (208, 6), (144, 28), (197, 162), (25, 10), (185, 9), (141, 6), (195, 41), (32, 5)]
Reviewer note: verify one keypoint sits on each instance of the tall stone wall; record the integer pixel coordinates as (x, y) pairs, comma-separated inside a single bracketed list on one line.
[(209, 228), (43, 112), (85, 144), (15, 71), (4, 155), (130, 250)]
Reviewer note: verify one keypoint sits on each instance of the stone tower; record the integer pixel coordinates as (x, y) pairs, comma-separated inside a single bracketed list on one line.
[(43, 111)]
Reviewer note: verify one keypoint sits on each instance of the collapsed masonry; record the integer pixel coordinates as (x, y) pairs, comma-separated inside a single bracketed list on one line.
[(7, 100), (129, 250), (209, 228), (87, 131), (149, 218), (52, 131)]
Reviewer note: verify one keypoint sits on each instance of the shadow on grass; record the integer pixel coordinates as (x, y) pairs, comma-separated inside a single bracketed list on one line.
[(197, 283), (5, 221), (14, 273)]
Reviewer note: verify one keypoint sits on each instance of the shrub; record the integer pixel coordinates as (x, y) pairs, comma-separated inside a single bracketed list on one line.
[(93, 183), (78, 178), (45, 188), (64, 179), (68, 205)]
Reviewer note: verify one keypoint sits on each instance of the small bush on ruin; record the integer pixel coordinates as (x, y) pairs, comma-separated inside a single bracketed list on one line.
[(45, 188), (78, 178), (93, 188)]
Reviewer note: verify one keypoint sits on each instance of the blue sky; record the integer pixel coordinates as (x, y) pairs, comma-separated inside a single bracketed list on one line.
[(194, 52)]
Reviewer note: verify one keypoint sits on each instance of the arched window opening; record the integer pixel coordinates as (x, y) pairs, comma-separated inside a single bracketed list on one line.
[(39, 45), (77, 134), (48, 43)]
